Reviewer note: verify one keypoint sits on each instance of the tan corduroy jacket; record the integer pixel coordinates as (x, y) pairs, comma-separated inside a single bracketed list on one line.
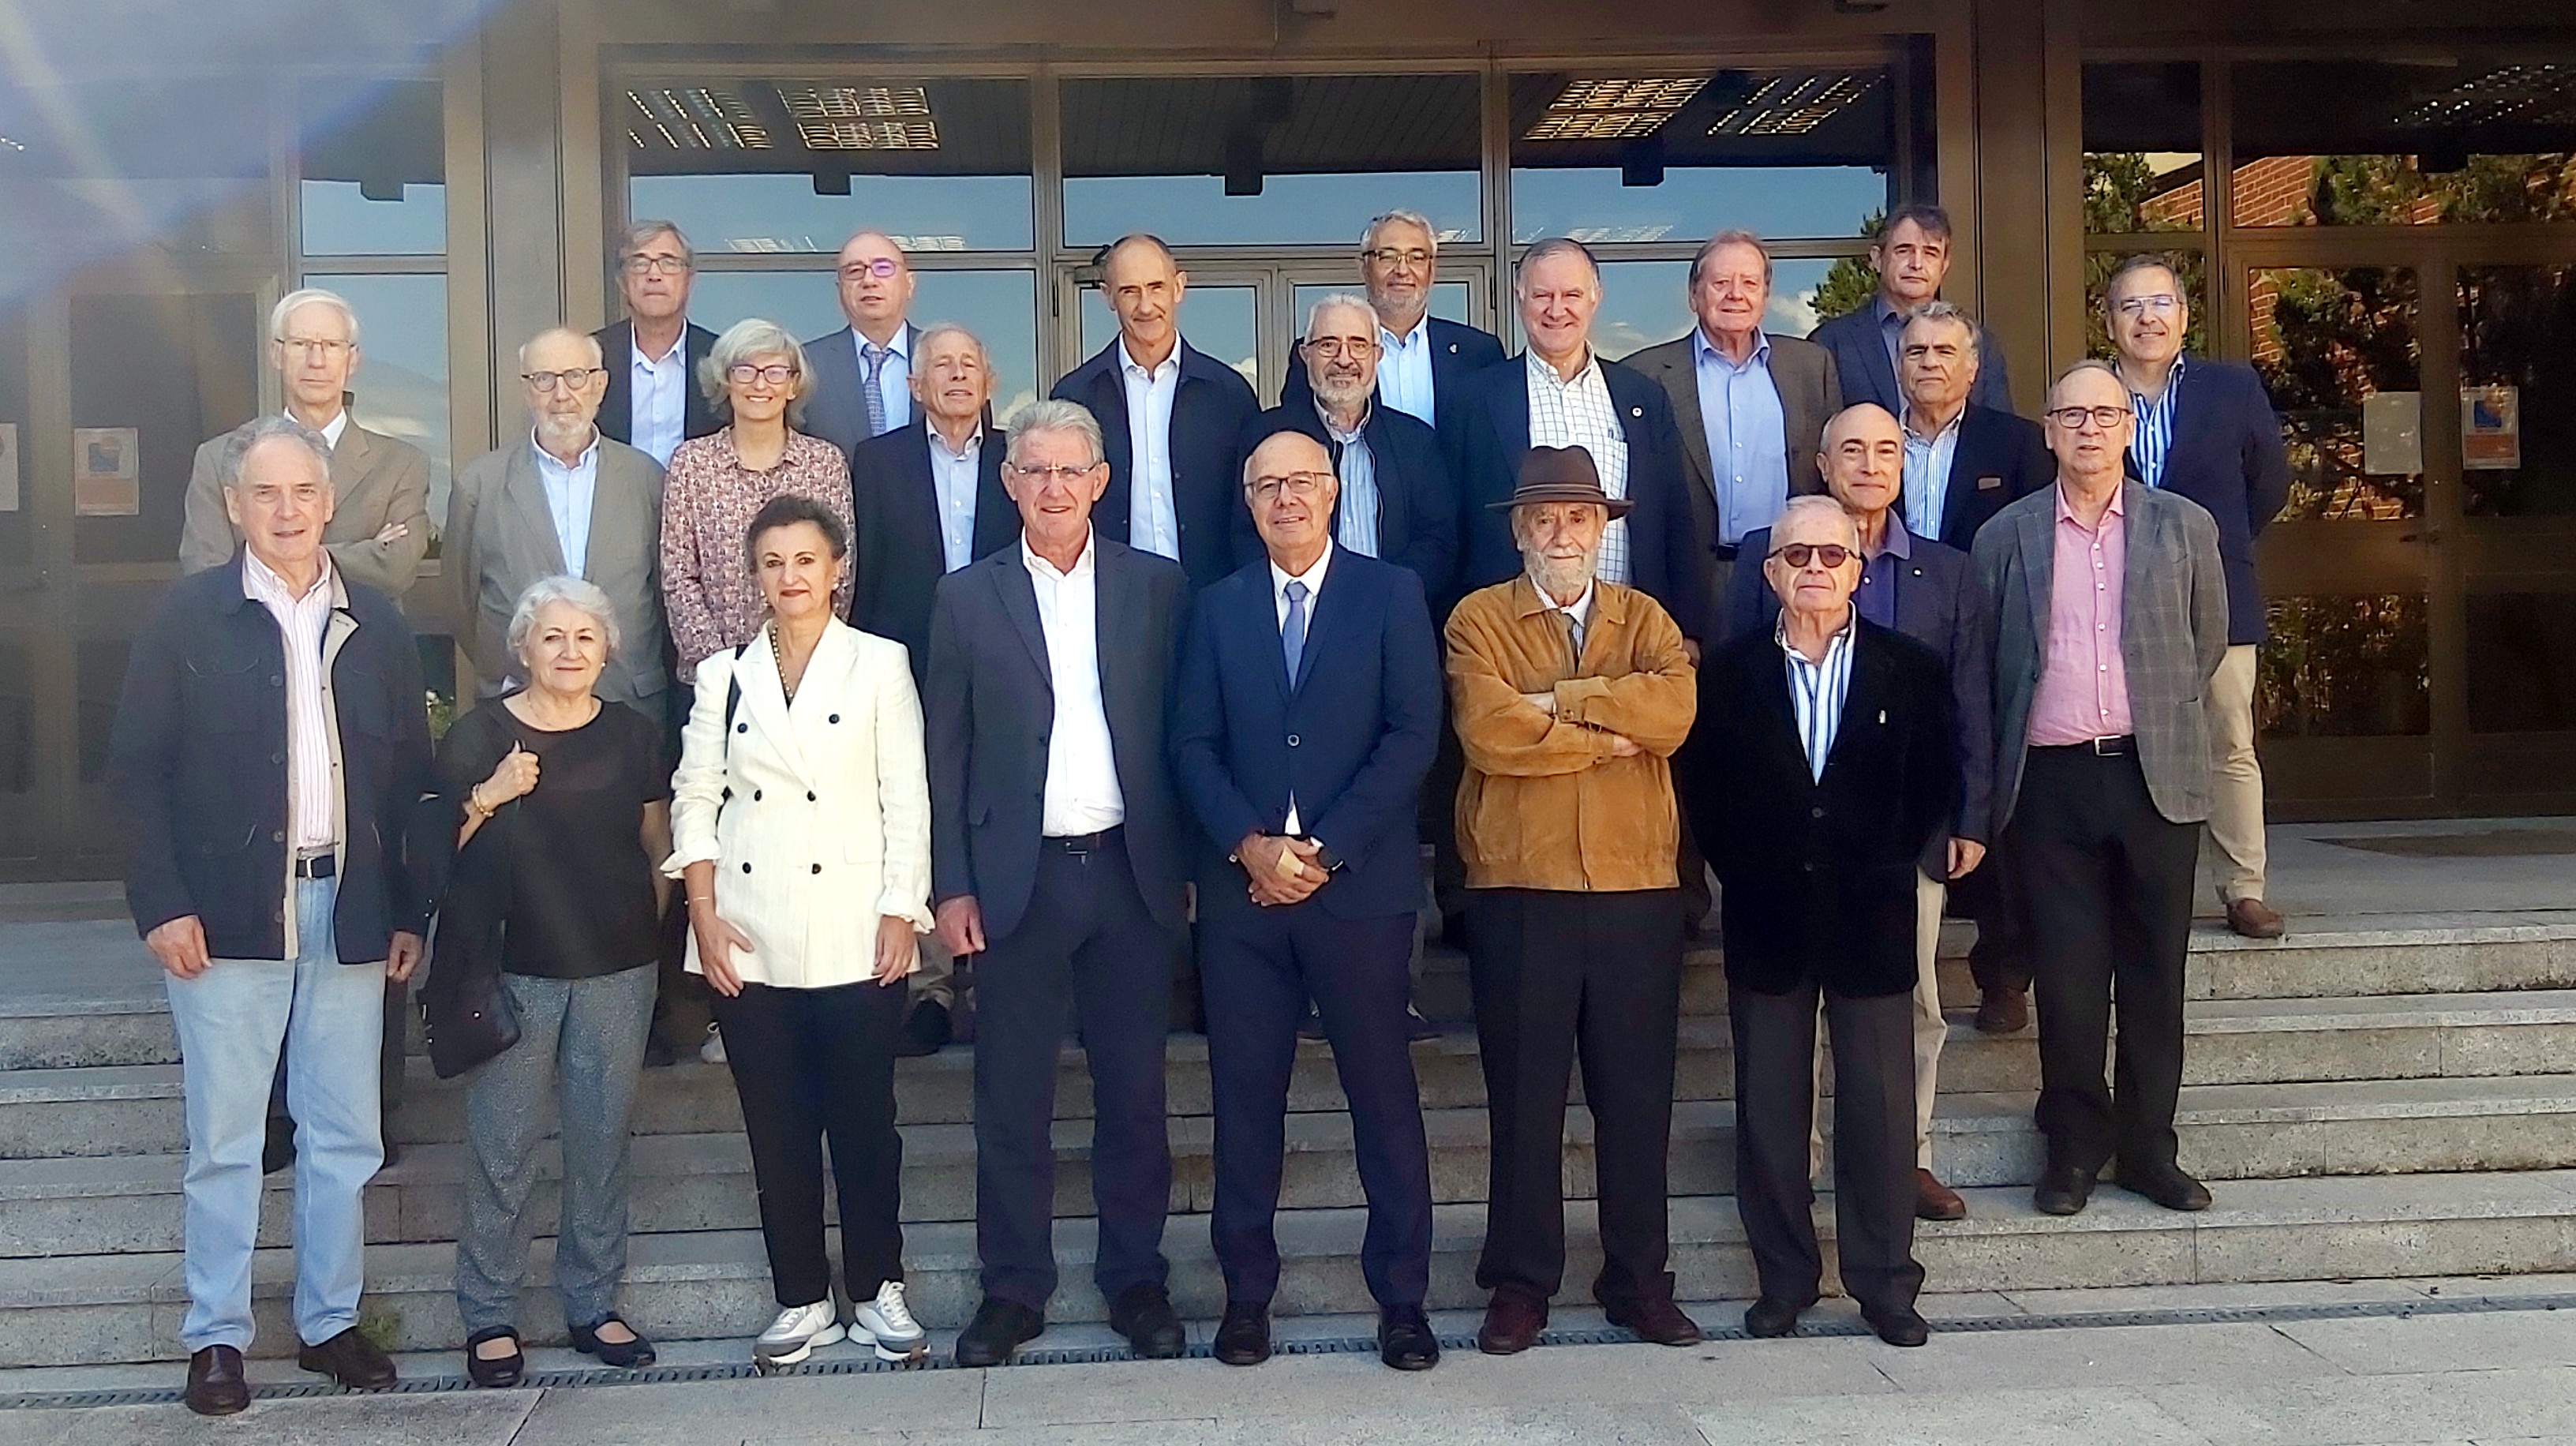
[(1545, 804)]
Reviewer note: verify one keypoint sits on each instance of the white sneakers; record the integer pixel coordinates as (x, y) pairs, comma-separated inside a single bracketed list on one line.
[(797, 1331), (887, 1323), (712, 1050)]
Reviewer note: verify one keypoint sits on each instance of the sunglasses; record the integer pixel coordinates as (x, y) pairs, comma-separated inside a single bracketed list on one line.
[(1799, 554)]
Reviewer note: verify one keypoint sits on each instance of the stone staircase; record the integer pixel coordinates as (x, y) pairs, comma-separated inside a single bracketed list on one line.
[(2390, 1100)]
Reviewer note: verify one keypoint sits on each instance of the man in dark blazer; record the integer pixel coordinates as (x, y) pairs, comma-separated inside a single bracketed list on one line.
[(654, 400), (1912, 259), (1421, 357), (1832, 767), (1927, 592), (1963, 461), (1172, 418), (1057, 853), (2206, 430), (1309, 707), (861, 383)]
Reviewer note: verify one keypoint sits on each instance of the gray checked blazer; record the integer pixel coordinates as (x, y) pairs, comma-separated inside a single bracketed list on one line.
[(2173, 632)]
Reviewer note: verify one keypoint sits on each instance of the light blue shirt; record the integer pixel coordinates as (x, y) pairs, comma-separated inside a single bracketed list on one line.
[(894, 379), (1404, 371), (1153, 523), (1748, 437), (659, 411), (2155, 428), (955, 476), (1355, 526), (1817, 692), (1927, 474), (570, 492)]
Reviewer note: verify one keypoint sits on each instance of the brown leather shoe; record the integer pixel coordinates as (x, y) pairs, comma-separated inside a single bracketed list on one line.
[(350, 1359), (216, 1386), (1658, 1322), (2255, 919), (1934, 1200), (1513, 1320), (2003, 1011)]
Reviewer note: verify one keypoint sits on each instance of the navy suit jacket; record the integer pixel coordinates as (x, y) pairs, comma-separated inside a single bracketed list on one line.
[(1458, 351), (1351, 739), (2227, 456), (617, 405), (1860, 362), (2000, 458), (1939, 606), (1670, 556), (1417, 501), (1210, 409), (898, 553), (990, 709)]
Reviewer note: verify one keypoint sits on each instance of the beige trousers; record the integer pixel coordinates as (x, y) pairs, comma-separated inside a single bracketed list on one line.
[(935, 982), (2235, 778), (1930, 1030)]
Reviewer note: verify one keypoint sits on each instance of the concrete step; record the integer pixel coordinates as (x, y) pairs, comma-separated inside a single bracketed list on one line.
[(714, 1284)]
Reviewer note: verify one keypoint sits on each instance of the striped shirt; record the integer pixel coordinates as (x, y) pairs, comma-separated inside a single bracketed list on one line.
[(1579, 413), (2148, 449), (312, 797), (1817, 690), (1356, 525)]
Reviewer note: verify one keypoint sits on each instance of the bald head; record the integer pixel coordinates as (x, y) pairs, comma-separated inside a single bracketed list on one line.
[(1289, 483), (876, 284), (1862, 457), (565, 378)]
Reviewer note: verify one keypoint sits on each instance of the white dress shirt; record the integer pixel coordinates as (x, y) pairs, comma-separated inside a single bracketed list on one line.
[(954, 477), (1313, 578), (1153, 519), (1404, 370), (658, 399), (331, 432), (312, 799), (894, 379), (1082, 793), (1579, 413), (570, 491)]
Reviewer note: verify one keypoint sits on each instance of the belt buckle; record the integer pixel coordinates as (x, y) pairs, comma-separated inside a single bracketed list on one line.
[(2109, 748), (1080, 845)]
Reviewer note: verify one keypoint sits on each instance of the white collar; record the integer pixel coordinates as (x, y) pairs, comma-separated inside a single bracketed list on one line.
[(259, 580), (1127, 361), (679, 351), (331, 433), (1312, 577), (1082, 566), (939, 444), (1539, 365), (589, 453), (1580, 609)]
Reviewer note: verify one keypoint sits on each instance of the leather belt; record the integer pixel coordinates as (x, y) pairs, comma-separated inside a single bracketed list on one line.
[(1079, 844), (2118, 747), (317, 866)]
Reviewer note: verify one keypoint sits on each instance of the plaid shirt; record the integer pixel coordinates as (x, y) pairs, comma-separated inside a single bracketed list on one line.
[(1579, 413)]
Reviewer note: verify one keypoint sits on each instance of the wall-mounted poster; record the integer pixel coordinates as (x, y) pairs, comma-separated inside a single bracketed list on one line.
[(8, 466), (2491, 428), (105, 480)]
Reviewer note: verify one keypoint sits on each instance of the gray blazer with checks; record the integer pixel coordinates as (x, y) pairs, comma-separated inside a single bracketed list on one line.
[(2173, 632)]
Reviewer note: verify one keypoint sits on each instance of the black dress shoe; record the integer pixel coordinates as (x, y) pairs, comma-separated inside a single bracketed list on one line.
[(2063, 1190), (925, 1031), (350, 1359), (1899, 1325), (626, 1355), (1656, 1322), (278, 1150), (1243, 1337), (1771, 1318), (2167, 1185), (999, 1329), (497, 1372), (1145, 1317), (1417, 1028), (1405, 1340), (216, 1386)]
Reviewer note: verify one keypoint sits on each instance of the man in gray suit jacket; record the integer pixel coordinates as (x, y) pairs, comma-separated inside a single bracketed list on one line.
[(1759, 401), (564, 501), (2108, 609)]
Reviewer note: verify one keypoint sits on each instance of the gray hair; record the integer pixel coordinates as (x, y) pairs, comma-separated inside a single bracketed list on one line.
[(576, 593), (642, 231), (1820, 504), (598, 356), (259, 431), (1379, 222), (1053, 415), (1938, 310), (1731, 236), (936, 330), (2143, 261), (1555, 246), (1351, 299), (2089, 364), (295, 301), (742, 341)]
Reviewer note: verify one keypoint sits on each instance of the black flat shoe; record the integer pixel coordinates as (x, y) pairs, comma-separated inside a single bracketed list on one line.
[(216, 1386), (1144, 1315), (625, 1355), (1243, 1337), (2167, 1185), (496, 1372), (1000, 1327), (1405, 1340), (1898, 1325), (2062, 1190), (1769, 1318)]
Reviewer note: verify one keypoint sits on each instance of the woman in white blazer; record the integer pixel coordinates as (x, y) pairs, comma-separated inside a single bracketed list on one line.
[(800, 818)]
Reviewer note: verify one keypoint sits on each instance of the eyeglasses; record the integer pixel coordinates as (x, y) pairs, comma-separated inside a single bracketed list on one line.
[(1045, 476), (572, 379), (743, 374), (1299, 485), (2136, 306), (656, 265), (1334, 348), (876, 266), (1799, 554), (2074, 418), (314, 345), (1389, 256)]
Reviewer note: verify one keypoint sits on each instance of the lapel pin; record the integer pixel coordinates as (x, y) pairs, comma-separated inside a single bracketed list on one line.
[(1882, 717), (1453, 348), (1636, 411)]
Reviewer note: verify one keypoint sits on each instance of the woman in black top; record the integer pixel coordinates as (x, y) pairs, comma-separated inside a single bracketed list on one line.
[(577, 793)]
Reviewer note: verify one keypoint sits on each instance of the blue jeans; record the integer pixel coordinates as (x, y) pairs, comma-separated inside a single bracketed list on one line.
[(232, 1020)]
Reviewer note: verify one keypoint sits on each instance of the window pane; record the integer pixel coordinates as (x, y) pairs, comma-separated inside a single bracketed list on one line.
[(1306, 159), (1787, 153), (2328, 342), (374, 169), (1218, 320), (2142, 161), (401, 382), (2415, 142), (747, 165), (104, 168), (171, 371), (1000, 307), (2518, 331), (2522, 662), (2343, 667)]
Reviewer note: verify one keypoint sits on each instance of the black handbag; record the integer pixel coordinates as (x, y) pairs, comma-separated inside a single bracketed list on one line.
[(466, 1009)]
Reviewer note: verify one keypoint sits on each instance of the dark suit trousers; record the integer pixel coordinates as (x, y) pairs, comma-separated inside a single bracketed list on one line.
[(1555, 974), (2109, 884), (1259, 970), (1992, 895), (1873, 1052), (1088, 944), (812, 1063)]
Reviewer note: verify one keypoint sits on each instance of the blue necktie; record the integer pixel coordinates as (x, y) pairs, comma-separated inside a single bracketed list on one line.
[(874, 393), (1292, 633)]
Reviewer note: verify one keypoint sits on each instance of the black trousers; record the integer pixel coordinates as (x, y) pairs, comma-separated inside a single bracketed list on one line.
[(1775, 1054), (2109, 884), (1992, 895), (1555, 974), (1258, 970), (1086, 942), (812, 1063)]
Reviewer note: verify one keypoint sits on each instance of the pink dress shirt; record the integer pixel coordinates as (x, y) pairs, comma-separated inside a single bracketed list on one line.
[(2083, 691), (708, 498)]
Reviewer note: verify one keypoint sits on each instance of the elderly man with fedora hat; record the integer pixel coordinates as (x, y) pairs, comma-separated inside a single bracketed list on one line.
[(1570, 694)]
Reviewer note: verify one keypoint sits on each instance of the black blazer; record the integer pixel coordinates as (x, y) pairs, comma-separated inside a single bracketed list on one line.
[(990, 708), (197, 765), (1209, 411), (1417, 501), (617, 407), (1861, 364), (1351, 739), (1818, 876), (2000, 458), (2227, 456), (1458, 351), (898, 553), (1669, 554)]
